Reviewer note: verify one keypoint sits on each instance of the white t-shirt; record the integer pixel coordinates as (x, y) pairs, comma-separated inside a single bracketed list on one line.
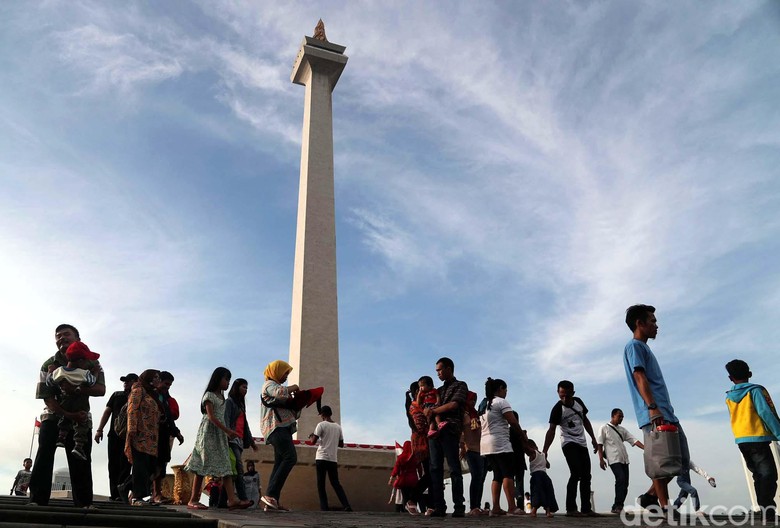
[(495, 428), (539, 463), (330, 435), (614, 449)]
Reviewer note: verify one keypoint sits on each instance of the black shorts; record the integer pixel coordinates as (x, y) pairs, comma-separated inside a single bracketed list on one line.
[(503, 466)]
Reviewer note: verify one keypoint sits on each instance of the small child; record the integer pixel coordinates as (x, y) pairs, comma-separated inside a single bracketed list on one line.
[(428, 398), (542, 491), (75, 373)]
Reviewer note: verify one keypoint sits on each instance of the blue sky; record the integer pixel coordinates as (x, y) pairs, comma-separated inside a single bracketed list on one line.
[(509, 178)]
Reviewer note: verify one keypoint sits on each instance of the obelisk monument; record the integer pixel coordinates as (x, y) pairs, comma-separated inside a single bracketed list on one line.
[(314, 330)]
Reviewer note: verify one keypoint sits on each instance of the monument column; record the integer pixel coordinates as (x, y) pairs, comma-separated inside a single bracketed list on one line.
[(314, 336)]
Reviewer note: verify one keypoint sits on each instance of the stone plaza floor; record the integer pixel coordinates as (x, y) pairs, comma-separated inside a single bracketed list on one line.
[(258, 518)]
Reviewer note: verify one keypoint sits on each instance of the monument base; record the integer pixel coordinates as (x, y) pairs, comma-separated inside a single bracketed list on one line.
[(363, 472)]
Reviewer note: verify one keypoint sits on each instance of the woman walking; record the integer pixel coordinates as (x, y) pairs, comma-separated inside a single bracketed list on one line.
[(143, 418), (497, 447), (278, 424), (211, 455), (235, 417)]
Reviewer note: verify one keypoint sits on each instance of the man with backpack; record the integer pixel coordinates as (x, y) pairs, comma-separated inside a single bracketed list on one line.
[(612, 451), (118, 466)]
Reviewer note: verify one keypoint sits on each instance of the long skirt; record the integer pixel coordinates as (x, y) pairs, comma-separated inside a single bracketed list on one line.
[(542, 492)]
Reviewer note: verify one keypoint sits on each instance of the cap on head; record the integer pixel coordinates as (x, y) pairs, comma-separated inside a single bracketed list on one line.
[(326, 411), (130, 377), (79, 350)]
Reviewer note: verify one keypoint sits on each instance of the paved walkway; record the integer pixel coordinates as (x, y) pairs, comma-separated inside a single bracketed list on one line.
[(258, 518)]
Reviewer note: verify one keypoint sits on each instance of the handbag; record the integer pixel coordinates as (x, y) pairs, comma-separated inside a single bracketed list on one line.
[(663, 457)]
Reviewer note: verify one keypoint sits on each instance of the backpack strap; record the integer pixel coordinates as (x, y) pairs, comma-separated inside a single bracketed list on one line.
[(618, 432)]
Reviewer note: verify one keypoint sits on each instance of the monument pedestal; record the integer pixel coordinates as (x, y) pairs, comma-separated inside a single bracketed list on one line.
[(363, 472)]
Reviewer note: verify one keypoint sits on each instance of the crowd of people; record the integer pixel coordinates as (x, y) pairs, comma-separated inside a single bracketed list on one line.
[(449, 426), (141, 429), (446, 425)]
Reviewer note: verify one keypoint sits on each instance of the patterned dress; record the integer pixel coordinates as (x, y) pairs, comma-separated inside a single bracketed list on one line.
[(211, 455)]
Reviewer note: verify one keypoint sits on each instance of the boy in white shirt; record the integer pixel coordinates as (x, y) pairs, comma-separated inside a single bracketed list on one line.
[(328, 434)]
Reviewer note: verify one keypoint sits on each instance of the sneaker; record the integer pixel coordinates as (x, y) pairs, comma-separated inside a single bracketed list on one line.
[(646, 500), (78, 452)]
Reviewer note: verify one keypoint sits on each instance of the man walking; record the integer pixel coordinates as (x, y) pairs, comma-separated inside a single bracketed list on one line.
[(329, 434), (452, 403), (570, 414), (612, 451), (646, 384), (80, 470), (755, 424), (118, 465)]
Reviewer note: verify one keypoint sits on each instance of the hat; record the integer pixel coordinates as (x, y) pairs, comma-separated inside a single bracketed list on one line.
[(79, 350), (130, 377)]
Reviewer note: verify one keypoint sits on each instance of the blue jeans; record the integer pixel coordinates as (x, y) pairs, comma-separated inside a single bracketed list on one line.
[(446, 445), (760, 461), (620, 471), (686, 488), (285, 459), (476, 464)]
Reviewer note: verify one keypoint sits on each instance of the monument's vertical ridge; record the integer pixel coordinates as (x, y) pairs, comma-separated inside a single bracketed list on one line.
[(314, 342)]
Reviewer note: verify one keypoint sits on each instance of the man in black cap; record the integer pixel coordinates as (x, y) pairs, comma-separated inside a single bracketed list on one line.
[(118, 466)]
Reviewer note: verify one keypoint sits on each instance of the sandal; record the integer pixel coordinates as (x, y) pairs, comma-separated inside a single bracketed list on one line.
[(240, 505), (412, 509), (196, 506), (270, 502)]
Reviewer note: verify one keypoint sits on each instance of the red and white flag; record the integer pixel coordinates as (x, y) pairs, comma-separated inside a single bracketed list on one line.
[(37, 429)]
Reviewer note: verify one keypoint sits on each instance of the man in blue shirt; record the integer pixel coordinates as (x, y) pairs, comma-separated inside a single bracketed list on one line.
[(647, 386)]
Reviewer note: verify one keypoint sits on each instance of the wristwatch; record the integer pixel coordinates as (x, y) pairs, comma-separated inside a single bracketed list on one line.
[(653, 406)]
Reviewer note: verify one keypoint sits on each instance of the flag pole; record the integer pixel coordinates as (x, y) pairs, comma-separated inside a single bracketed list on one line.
[(32, 439)]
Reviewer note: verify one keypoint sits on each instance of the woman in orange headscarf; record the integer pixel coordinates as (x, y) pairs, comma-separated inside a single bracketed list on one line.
[(278, 424)]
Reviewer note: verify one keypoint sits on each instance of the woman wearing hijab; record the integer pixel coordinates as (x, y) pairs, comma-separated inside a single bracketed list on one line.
[(405, 476), (143, 418), (278, 424)]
